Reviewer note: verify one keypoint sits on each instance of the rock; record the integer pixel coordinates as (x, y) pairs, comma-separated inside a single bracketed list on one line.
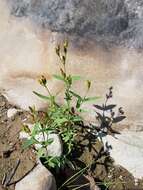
[(54, 149), (127, 151), (2, 103), (12, 112), (93, 185), (38, 179), (23, 135)]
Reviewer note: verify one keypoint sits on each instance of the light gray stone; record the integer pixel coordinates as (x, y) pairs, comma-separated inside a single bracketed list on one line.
[(12, 112), (38, 179), (127, 151), (93, 185), (53, 149)]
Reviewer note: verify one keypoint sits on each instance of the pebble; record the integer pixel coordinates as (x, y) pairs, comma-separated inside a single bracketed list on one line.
[(12, 112), (2, 104)]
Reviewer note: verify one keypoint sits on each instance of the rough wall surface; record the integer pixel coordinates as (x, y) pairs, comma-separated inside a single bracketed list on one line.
[(105, 21), (29, 31)]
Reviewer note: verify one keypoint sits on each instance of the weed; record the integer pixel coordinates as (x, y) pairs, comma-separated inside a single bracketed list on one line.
[(63, 120)]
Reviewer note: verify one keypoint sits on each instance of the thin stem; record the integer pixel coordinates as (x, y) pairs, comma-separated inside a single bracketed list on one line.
[(105, 106), (44, 138), (79, 186), (9, 178), (72, 178), (48, 91)]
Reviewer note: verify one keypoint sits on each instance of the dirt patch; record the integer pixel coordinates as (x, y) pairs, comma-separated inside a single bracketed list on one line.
[(11, 146), (106, 174)]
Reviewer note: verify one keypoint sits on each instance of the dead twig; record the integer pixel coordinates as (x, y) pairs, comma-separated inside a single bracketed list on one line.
[(13, 183), (3, 179), (9, 178)]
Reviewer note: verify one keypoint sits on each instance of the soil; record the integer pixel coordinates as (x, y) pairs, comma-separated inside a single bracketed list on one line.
[(90, 151), (106, 175), (11, 146)]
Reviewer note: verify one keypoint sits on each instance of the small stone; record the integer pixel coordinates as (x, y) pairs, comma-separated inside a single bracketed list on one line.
[(12, 112), (2, 104), (23, 135), (7, 153), (93, 185), (121, 177), (136, 182), (39, 178), (53, 149)]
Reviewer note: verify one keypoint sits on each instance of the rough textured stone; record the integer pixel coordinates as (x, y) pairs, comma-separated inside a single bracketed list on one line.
[(53, 149), (127, 151), (107, 21), (38, 179), (12, 112), (93, 185)]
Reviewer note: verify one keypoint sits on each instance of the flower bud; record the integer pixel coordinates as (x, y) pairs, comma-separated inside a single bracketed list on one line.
[(58, 50), (88, 83), (43, 81), (66, 44), (63, 73)]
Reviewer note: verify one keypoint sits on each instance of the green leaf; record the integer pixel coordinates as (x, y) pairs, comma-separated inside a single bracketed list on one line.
[(59, 121), (49, 141), (36, 129), (51, 164), (76, 95), (26, 129), (58, 77), (41, 152), (28, 143), (53, 161), (78, 104), (76, 77), (42, 96), (77, 119), (82, 110)]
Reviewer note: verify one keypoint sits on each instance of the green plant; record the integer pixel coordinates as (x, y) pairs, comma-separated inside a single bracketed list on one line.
[(63, 120)]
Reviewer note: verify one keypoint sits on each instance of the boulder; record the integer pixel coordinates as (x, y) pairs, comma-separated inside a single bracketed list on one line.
[(127, 150)]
